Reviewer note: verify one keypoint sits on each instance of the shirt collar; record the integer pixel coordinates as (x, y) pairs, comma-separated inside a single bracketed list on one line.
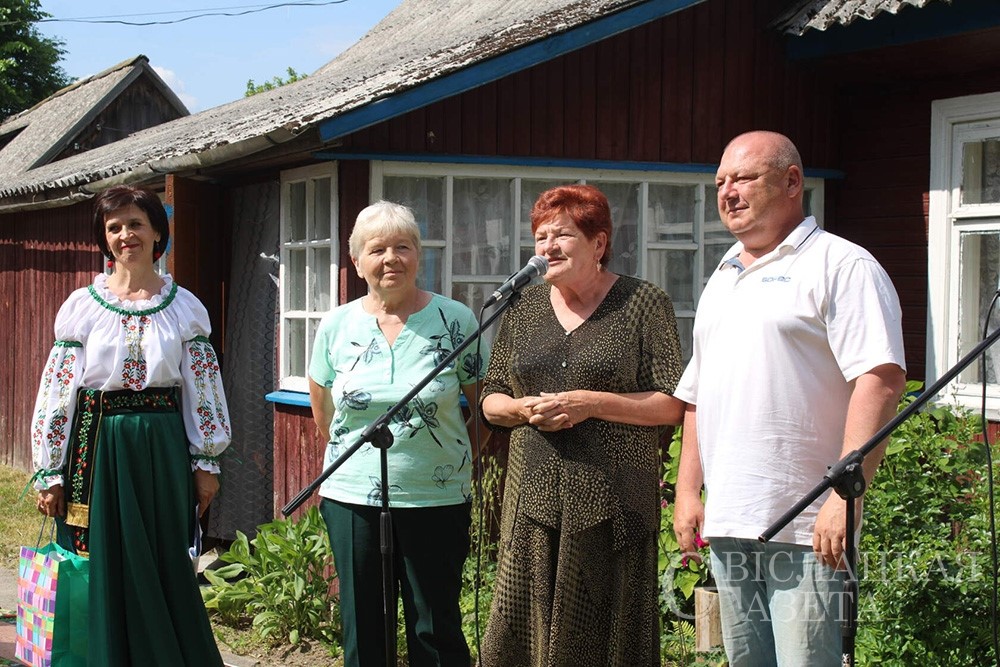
[(795, 238)]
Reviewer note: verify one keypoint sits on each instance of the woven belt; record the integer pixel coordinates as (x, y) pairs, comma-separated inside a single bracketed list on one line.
[(92, 405)]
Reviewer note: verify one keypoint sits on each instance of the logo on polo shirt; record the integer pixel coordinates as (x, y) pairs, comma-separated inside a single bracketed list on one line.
[(776, 279)]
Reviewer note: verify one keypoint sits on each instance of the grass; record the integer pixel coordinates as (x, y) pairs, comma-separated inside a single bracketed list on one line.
[(19, 518)]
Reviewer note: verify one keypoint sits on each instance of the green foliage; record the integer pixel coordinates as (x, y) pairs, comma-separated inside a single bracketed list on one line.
[(679, 573), (924, 564), (278, 581), (275, 82), (29, 61), (480, 571)]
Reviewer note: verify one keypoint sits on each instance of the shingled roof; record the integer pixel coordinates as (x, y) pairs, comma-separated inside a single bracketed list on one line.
[(418, 42), (36, 136), (821, 14)]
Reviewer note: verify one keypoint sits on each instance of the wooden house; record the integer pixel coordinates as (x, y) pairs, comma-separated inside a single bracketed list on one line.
[(467, 110)]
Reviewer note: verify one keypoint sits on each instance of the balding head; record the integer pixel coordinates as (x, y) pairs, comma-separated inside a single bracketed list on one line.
[(760, 189)]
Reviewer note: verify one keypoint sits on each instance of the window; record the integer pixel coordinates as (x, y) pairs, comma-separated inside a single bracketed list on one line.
[(476, 229), (309, 256), (964, 241)]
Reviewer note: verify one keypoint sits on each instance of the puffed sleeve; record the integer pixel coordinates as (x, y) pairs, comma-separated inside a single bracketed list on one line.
[(203, 401), (55, 403)]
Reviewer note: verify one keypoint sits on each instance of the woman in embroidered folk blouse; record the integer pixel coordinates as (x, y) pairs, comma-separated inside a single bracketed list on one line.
[(133, 372), (368, 354)]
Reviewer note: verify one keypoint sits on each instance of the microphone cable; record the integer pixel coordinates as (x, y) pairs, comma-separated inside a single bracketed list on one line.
[(990, 485)]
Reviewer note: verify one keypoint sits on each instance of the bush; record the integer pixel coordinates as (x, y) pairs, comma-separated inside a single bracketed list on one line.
[(924, 563), (680, 573), (278, 581)]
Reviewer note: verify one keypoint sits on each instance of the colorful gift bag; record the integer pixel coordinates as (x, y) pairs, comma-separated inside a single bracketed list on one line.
[(52, 610)]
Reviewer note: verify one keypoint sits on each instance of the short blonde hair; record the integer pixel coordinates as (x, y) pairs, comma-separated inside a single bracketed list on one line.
[(383, 218)]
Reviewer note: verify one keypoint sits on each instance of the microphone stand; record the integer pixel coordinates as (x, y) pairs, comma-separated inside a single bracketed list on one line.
[(379, 435), (846, 479)]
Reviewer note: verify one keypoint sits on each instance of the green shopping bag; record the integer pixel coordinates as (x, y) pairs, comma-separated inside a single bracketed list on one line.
[(52, 607)]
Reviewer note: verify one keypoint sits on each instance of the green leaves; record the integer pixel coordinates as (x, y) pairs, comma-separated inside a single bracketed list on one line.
[(924, 565), (278, 582)]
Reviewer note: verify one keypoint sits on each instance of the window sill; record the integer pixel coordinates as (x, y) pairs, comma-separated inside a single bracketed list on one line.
[(288, 398)]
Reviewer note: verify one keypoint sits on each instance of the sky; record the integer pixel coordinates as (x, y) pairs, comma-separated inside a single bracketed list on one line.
[(207, 61)]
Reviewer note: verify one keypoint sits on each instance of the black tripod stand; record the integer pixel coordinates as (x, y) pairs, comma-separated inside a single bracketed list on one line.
[(378, 434), (845, 478)]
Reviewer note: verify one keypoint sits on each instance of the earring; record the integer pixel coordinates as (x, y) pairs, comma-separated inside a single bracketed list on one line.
[(111, 263), (156, 255)]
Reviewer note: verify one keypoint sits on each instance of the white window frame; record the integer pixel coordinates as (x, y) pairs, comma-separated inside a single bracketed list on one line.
[(310, 315), (952, 121), (706, 197)]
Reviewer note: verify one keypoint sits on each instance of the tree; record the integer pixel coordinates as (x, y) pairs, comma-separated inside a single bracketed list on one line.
[(275, 82), (29, 61)]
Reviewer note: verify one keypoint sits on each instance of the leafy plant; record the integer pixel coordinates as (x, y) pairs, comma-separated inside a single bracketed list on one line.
[(680, 573), (278, 581), (275, 82), (924, 563), (480, 571)]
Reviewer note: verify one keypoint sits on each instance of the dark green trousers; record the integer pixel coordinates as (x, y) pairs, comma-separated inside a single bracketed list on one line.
[(145, 606), (430, 545)]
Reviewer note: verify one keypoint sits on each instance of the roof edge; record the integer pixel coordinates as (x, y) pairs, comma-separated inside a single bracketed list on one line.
[(521, 58)]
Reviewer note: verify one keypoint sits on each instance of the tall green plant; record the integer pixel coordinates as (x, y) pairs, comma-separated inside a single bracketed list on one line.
[(278, 581), (680, 573), (924, 563), (480, 571)]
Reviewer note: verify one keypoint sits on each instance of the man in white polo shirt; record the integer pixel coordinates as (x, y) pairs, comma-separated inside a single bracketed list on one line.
[(798, 360)]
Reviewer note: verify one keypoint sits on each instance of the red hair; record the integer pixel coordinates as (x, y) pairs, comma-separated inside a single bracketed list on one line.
[(586, 206)]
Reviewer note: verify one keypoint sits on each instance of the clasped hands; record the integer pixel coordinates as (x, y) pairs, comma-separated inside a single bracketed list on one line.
[(558, 411)]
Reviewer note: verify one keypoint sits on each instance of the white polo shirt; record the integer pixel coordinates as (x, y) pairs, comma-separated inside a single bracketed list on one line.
[(775, 347)]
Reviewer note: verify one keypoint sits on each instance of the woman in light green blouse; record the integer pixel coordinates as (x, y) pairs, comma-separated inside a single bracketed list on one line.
[(368, 354)]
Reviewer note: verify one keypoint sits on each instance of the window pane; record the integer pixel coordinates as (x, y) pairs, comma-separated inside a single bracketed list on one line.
[(320, 280), (673, 270), (482, 212), (685, 331), (980, 271), (624, 201), (671, 213), (320, 224), (295, 230), (981, 172), (529, 195), (295, 344), (431, 269), (717, 239), (425, 196), (295, 279)]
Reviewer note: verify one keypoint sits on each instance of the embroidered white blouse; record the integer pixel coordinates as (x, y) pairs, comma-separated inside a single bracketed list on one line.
[(103, 342)]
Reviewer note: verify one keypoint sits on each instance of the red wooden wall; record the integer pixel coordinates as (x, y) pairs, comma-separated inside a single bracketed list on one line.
[(674, 90), (298, 456), (44, 255)]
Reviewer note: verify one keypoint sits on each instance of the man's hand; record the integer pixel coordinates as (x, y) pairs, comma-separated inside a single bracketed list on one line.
[(689, 517), (830, 532)]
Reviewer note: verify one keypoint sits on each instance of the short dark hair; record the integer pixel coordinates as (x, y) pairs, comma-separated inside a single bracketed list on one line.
[(120, 196), (586, 206)]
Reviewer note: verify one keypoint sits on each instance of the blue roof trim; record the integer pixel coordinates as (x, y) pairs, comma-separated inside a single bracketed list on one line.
[(565, 163), (288, 398), (498, 67), (936, 20)]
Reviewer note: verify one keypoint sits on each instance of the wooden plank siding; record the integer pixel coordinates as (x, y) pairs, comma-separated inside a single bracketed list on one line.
[(674, 90), (44, 255), (298, 456), (882, 203)]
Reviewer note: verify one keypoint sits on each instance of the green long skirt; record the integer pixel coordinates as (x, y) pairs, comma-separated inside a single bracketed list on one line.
[(145, 606)]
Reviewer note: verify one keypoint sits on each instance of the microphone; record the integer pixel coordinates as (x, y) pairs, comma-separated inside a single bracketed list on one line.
[(536, 266)]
